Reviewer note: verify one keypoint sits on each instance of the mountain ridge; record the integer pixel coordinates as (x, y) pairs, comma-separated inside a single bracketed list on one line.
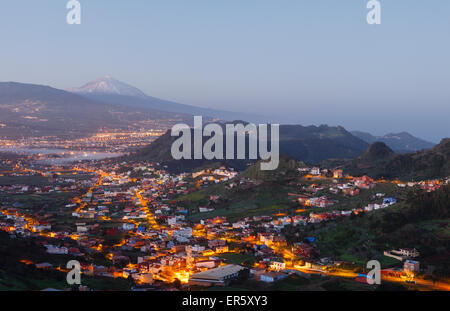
[(402, 142), (31, 110), (309, 144), (426, 164), (112, 91), (108, 85)]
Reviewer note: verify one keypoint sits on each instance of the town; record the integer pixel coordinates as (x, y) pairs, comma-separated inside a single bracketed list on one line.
[(137, 222)]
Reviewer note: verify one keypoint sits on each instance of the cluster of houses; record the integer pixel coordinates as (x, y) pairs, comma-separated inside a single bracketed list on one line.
[(168, 246), (221, 174), (171, 247)]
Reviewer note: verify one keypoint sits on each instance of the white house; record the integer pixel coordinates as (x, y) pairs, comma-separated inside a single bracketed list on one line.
[(271, 277), (127, 226)]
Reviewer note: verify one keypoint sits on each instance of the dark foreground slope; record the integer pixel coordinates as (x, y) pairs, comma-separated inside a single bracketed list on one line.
[(421, 222)]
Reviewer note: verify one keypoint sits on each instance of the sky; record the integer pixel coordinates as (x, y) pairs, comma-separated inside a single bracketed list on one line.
[(304, 61)]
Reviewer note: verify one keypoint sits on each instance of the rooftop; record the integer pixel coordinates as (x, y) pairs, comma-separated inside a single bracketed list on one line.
[(217, 273)]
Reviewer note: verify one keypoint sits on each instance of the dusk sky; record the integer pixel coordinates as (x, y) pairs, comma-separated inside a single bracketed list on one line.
[(306, 61)]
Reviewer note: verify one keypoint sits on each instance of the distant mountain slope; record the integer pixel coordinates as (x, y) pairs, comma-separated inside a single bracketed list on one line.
[(36, 110), (401, 142), (379, 161), (109, 85), (112, 91), (310, 144)]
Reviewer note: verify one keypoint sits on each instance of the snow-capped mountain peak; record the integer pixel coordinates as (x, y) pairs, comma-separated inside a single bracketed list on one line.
[(109, 85)]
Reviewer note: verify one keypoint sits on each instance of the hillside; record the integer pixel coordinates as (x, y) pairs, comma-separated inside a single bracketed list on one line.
[(431, 163), (310, 144), (37, 110), (255, 192), (287, 169), (376, 152), (399, 142), (111, 91), (314, 144), (160, 151), (421, 221), (379, 161)]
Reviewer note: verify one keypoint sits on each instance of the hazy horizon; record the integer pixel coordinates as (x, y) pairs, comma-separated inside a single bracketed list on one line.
[(306, 62)]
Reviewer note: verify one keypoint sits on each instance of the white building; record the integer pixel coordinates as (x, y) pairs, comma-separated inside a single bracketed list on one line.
[(315, 171), (277, 265), (51, 249), (127, 226), (183, 234), (219, 276)]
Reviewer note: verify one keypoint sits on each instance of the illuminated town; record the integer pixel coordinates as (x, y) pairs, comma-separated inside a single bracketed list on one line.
[(107, 141), (136, 221), (224, 155)]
